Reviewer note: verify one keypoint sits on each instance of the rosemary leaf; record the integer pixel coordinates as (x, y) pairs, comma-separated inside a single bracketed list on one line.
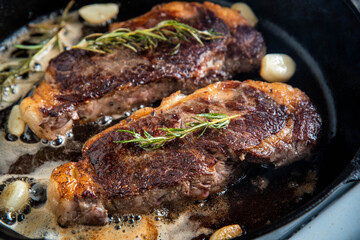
[(29, 47), (10, 72), (149, 142), (212, 115), (169, 31)]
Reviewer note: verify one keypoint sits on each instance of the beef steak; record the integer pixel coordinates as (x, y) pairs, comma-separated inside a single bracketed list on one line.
[(81, 84), (276, 124)]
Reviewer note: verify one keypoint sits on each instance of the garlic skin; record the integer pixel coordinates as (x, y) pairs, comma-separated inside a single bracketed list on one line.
[(246, 12), (99, 13), (16, 124), (227, 232), (277, 67), (15, 196)]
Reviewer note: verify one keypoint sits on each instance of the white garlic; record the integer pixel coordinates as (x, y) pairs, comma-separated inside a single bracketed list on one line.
[(277, 67), (246, 12), (99, 13), (227, 232), (16, 124), (15, 196)]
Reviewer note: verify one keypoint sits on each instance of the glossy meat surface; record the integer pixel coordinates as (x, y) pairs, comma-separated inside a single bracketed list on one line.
[(277, 124), (85, 85)]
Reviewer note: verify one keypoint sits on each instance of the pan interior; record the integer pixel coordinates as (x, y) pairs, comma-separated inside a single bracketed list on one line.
[(248, 203)]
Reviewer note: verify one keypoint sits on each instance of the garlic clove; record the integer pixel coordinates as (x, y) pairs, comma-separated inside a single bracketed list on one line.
[(99, 13), (16, 124), (227, 232), (246, 12), (277, 67), (15, 196)]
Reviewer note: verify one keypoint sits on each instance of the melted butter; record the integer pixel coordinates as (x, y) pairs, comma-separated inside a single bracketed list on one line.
[(41, 223), (20, 90), (70, 35), (182, 228), (11, 151)]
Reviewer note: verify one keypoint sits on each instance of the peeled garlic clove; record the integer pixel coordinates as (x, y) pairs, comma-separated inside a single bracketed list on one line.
[(99, 13), (16, 124), (15, 196), (277, 67), (227, 232), (246, 12)]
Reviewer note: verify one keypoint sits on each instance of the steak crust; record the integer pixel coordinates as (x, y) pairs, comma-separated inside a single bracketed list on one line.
[(85, 85), (277, 124)]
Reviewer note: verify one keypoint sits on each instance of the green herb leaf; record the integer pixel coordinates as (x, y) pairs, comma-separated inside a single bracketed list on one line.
[(169, 31), (217, 121), (10, 72), (29, 47)]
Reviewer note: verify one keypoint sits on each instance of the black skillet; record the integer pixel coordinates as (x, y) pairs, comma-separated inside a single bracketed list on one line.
[(323, 36)]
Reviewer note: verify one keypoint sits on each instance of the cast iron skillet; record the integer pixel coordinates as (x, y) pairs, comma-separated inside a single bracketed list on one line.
[(322, 36)]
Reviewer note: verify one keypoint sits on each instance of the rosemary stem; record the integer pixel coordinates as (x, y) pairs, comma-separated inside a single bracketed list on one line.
[(10, 72), (66, 11), (49, 44), (214, 120), (169, 31)]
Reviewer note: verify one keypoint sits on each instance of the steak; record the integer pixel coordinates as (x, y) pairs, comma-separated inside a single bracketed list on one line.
[(276, 124), (85, 85)]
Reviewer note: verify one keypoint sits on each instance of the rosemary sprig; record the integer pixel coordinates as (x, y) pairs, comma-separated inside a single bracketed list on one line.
[(9, 73), (170, 31), (149, 142)]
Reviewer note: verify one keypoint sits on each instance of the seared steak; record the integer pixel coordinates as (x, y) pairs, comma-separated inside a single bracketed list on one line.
[(276, 124), (85, 85)]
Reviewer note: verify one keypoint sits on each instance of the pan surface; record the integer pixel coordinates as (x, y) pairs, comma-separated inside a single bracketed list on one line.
[(323, 37)]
